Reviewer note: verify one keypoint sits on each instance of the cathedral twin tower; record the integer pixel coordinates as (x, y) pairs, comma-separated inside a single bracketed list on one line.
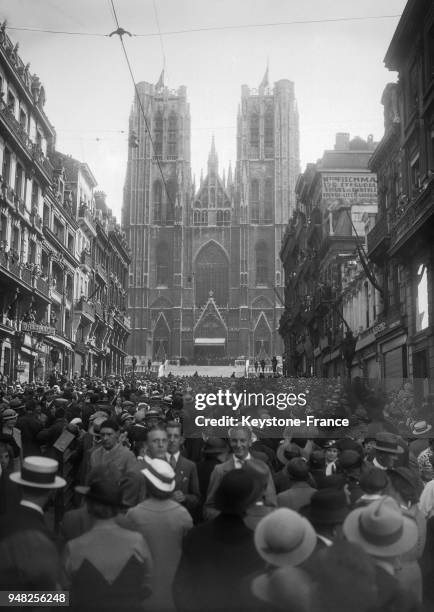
[(206, 279)]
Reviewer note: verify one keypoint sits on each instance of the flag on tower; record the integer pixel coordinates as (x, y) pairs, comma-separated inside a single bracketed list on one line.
[(264, 82), (160, 82)]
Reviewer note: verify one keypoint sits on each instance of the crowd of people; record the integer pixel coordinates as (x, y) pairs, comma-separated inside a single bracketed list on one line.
[(103, 496)]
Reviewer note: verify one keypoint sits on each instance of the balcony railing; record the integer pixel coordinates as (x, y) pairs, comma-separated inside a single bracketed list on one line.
[(24, 274), (33, 149), (100, 270), (85, 307), (98, 309), (42, 286), (413, 215), (86, 220)]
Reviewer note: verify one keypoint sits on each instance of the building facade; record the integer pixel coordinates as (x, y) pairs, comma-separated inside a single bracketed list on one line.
[(329, 300), (205, 269), (401, 242), (51, 238)]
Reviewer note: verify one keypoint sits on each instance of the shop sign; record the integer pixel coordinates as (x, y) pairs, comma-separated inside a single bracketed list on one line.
[(37, 328), (380, 328)]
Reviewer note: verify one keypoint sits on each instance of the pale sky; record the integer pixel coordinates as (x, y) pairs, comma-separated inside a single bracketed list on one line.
[(337, 69)]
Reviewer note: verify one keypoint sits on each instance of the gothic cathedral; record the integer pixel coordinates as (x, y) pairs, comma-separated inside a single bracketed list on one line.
[(206, 280)]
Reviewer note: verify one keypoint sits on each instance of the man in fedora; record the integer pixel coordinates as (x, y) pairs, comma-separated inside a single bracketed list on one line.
[(37, 480), (387, 450), (327, 511), (383, 532), (240, 440)]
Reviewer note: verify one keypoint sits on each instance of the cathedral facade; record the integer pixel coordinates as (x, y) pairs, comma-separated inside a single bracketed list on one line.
[(205, 281)]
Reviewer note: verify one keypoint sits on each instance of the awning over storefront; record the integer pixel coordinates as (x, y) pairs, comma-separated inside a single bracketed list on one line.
[(210, 341), (60, 341)]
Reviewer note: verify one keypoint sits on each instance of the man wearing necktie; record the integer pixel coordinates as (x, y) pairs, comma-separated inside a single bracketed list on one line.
[(240, 439), (187, 490)]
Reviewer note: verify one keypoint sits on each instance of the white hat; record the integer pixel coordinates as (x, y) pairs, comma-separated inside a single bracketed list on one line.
[(420, 427), (39, 472), (160, 474)]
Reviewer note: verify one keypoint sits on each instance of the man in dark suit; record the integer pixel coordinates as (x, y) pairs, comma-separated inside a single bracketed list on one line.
[(240, 439), (37, 479), (187, 490), (219, 555)]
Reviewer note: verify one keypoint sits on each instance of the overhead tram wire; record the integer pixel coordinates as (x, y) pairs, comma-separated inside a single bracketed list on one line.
[(120, 32), (210, 28)]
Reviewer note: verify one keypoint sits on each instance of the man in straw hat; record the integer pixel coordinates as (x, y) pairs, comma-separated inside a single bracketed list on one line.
[(37, 480)]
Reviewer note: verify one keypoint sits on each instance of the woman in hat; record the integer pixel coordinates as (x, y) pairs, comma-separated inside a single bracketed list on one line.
[(11, 434), (163, 523)]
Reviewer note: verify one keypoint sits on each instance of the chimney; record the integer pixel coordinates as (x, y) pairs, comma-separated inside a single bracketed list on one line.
[(342, 142)]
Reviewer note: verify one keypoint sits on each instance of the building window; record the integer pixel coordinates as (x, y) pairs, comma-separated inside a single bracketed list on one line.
[(11, 102), (19, 181), (212, 198), (227, 217), (254, 135), (254, 201), (35, 195), (415, 172), (268, 201), (157, 192), (269, 134), (15, 239), (171, 201), (6, 165), (59, 230), (412, 89), (32, 252), (196, 217), (261, 260), (422, 298), (172, 136), (162, 264), (219, 217), (212, 275), (158, 134), (204, 218)]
